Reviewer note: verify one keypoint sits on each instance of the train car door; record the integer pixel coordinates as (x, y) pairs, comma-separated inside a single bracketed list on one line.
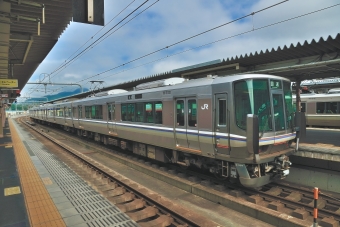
[(54, 114), (221, 135), (111, 118), (65, 114), (279, 114), (80, 116), (74, 114), (186, 124)]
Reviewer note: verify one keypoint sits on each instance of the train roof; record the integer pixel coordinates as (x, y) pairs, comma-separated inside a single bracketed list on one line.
[(210, 80), (325, 97)]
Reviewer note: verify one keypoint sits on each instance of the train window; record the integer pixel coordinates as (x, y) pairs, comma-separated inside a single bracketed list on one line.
[(50, 112), (288, 103), (80, 112), (158, 113), (327, 107), (66, 112), (320, 107), (252, 97), (130, 112), (69, 112), (275, 84), (139, 112), (97, 112), (87, 111), (60, 112), (74, 111), (222, 112), (180, 112), (124, 112), (278, 112), (109, 111), (148, 112), (192, 113), (113, 110)]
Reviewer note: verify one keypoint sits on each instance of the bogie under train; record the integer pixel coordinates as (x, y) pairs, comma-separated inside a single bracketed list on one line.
[(199, 122)]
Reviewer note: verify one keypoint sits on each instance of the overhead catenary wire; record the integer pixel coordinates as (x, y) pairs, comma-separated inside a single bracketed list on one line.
[(186, 39), (94, 35), (90, 46), (216, 41), (209, 30)]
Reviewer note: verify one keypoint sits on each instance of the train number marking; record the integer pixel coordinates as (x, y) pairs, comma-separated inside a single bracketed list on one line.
[(204, 107)]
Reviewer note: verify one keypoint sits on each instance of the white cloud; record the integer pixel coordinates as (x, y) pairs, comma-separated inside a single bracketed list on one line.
[(168, 22)]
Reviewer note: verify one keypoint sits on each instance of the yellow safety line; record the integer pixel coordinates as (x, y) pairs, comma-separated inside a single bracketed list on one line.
[(40, 207)]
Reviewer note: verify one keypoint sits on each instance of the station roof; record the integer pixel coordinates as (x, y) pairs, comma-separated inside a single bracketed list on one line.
[(301, 61), (25, 49)]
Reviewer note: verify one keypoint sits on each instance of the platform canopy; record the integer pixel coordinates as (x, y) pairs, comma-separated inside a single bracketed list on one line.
[(29, 30)]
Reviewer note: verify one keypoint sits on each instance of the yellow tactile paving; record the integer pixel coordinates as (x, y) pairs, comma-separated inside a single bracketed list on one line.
[(40, 207), (12, 191)]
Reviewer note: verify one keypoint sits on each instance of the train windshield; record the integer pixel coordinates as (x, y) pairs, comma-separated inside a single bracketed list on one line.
[(252, 97), (288, 103)]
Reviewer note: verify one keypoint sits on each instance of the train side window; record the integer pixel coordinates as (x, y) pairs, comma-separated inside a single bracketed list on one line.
[(80, 112), (158, 113), (222, 112), (131, 112), (109, 112), (192, 113), (113, 110), (148, 112), (69, 112), (124, 112), (320, 107), (139, 112), (66, 112), (74, 112), (87, 111), (97, 112), (303, 107), (180, 112), (331, 107)]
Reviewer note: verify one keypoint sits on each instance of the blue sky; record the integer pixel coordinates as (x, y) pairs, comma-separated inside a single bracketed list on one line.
[(169, 21)]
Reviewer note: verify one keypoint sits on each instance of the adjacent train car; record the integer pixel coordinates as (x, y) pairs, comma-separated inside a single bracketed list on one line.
[(322, 110), (237, 127)]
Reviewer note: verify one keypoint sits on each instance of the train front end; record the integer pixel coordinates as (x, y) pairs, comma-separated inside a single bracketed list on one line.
[(264, 110)]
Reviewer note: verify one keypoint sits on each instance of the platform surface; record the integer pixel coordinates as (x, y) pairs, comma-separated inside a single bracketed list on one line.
[(12, 206), (50, 194)]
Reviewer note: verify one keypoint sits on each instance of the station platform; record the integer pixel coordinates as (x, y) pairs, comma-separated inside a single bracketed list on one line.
[(40, 190), (317, 163)]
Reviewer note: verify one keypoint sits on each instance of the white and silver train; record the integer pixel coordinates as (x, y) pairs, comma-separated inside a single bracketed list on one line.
[(322, 110), (239, 127)]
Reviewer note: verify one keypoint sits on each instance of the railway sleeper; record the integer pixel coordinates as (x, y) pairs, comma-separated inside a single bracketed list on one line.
[(321, 203), (148, 212), (163, 220), (115, 192), (107, 187), (134, 205), (126, 197)]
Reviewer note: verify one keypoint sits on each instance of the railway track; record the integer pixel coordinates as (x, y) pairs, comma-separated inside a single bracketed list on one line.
[(290, 202), (142, 205)]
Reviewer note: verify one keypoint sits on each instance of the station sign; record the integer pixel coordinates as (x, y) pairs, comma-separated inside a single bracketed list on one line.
[(9, 83), (4, 95)]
